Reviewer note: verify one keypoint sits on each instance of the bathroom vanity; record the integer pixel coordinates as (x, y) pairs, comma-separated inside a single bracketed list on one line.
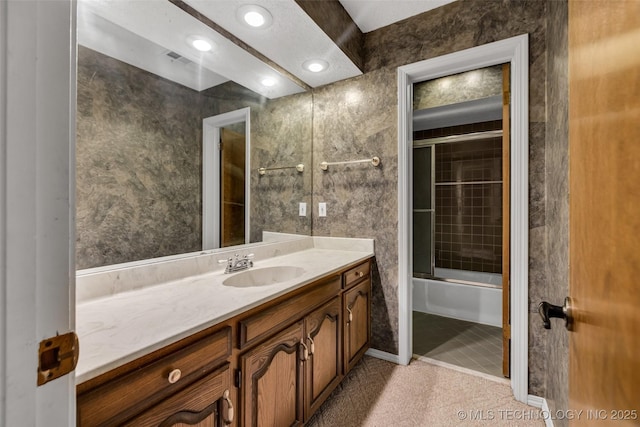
[(264, 355)]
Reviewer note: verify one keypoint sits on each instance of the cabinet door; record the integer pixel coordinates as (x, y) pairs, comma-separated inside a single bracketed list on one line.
[(357, 330), (200, 404), (272, 381), (323, 371)]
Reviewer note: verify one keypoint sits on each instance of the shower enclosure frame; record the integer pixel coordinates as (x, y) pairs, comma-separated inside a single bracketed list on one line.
[(514, 51), (432, 143)]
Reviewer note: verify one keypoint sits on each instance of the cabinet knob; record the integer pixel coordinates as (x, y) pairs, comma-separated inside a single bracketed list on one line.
[(174, 376), (359, 273), (228, 418)]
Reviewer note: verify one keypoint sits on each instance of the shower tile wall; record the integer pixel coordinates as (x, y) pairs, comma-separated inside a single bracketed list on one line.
[(468, 233)]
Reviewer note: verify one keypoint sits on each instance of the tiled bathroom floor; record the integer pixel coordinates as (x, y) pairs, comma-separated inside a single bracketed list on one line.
[(466, 344)]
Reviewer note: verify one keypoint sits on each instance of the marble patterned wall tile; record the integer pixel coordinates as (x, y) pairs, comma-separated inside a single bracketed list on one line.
[(138, 164), (468, 86), (538, 356), (355, 119), (281, 136), (139, 161), (557, 207)]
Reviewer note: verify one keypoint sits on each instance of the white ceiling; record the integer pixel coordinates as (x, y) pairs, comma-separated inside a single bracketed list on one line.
[(142, 32), (370, 15), (292, 38)]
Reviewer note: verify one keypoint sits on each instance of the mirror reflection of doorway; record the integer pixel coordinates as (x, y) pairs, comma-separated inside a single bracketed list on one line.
[(225, 183), (232, 184)]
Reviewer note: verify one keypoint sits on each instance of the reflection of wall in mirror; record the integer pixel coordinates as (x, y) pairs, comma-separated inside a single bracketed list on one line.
[(139, 161)]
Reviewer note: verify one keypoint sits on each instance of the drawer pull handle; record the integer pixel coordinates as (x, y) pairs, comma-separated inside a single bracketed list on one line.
[(305, 350), (174, 376), (312, 345), (228, 419), (359, 273), (350, 314)]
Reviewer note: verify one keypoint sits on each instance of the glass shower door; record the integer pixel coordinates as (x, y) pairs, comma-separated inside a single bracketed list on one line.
[(423, 210)]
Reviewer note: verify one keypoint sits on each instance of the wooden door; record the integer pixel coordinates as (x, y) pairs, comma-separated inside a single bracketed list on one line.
[(506, 220), (604, 229), (272, 381), (357, 314), (232, 188), (323, 370)]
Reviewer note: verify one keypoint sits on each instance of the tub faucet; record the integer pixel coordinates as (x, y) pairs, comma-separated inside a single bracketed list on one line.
[(237, 263)]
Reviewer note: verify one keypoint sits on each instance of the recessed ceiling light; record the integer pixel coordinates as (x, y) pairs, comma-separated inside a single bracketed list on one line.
[(315, 65), (255, 16), (268, 82), (200, 43)]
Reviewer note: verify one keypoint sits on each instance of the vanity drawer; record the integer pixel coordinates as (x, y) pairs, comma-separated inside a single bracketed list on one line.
[(267, 321), (119, 399), (198, 403), (353, 276)]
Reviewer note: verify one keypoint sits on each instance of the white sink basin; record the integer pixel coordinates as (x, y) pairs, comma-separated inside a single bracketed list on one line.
[(263, 276)]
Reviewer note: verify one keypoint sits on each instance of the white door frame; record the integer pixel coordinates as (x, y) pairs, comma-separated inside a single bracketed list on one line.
[(515, 51), (211, 174), (37, 206)]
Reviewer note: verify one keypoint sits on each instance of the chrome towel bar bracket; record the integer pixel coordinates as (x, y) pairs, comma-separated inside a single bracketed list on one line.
[(375, 162)]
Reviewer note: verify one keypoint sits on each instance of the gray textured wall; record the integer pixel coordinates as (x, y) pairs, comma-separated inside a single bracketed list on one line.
[(139, 161), (468, 86), (138, 164), (358, 117), (557, 207)]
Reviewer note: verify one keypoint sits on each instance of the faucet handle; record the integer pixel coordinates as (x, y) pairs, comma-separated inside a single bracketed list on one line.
[(224, 261), (248, 256)]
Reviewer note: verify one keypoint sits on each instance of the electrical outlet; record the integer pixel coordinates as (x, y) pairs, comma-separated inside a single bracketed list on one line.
[(322, 209), (302, 209)]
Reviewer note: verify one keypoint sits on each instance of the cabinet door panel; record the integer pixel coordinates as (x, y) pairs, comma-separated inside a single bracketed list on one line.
[(272, 381), (357, 313), (323, 368)]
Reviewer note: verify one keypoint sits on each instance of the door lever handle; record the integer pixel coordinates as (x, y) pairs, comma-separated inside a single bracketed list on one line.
[(547, 311)]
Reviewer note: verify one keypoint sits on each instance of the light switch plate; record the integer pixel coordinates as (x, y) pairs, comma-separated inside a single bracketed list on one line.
[(302, 209), (322, 209)]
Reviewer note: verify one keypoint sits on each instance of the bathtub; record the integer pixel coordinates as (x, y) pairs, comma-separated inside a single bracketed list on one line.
[(472, 296)]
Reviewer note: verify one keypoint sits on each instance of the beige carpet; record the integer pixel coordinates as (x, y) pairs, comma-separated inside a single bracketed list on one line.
[(379, 393)]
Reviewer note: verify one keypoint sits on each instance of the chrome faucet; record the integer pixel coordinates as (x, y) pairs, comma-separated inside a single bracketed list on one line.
[(237, 263)]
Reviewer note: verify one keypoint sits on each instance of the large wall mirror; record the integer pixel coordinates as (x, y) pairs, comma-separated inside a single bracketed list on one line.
[(145, 96)]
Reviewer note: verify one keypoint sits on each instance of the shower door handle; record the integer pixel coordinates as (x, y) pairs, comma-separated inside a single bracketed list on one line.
[(547, 311)]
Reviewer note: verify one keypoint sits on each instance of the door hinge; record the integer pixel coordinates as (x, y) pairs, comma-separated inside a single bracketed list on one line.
[(238, 378), (220, 146), (57, 357)]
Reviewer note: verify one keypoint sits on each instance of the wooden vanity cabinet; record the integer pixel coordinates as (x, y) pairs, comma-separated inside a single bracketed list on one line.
[(146, 383), (271, 390), (323, 366), (278, 362), (286, 378), (357, 322), (205, 403)]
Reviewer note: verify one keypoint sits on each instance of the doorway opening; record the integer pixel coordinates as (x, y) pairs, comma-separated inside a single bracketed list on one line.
[(225, 179), (460, 237), (514, 51)]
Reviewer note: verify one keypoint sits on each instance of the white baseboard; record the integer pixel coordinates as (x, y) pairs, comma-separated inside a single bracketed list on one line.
[(378, 354), (541, 402), (461, 369)]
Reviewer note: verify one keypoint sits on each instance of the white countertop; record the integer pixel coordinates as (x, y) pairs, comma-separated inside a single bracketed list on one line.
[(116, 329)]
